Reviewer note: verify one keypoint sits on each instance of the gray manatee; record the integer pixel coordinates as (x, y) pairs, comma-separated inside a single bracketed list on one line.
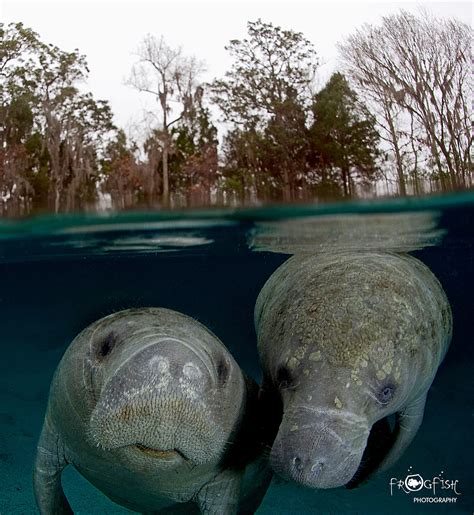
[(346, 340), (152, 409)]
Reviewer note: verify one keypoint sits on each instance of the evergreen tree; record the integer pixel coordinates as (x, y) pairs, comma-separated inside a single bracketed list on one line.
[(193, 162), (343, 137), (267, 92)]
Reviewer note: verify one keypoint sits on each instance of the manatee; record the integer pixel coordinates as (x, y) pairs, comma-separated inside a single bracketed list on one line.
[(345, 341), (150, 407)]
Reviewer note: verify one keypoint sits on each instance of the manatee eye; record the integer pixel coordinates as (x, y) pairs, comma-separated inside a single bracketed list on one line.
[(222, 371), (106, 345), (386, 394), (283, 378)]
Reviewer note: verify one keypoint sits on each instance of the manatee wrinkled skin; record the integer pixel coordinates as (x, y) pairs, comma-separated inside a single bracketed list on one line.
[(151, 408), (346, 340)]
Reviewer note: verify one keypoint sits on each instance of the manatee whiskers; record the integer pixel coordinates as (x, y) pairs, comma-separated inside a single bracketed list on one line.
[(354, 456), (94, 441), (165, 454), (160, 453), (341, 417), (347, 416)]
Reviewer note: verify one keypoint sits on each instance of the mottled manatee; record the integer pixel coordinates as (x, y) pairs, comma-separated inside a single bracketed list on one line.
[(151, 408), (345, 340)]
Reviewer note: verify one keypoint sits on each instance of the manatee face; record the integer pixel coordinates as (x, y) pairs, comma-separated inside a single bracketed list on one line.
[(327, 418), (160, 401)]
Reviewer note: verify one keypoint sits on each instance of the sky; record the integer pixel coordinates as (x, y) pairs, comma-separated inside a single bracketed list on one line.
[(108, 33)]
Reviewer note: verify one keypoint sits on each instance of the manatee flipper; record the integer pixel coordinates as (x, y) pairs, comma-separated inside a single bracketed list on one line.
[(49, 464), (408, 423), (221, 496)]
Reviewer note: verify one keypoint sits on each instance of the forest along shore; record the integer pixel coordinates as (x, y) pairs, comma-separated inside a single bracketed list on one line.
[(393, 120)]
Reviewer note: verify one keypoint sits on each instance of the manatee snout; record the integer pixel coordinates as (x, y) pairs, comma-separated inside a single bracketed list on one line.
[(318, 450), (156, 401)]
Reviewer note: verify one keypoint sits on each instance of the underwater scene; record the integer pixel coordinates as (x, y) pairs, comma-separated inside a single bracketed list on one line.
[(345, 341)]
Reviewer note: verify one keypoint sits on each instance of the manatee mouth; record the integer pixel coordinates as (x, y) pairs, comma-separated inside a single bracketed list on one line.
[(160, 453)]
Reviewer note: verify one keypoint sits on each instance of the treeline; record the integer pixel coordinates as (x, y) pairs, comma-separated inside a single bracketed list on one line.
[(395, 118)]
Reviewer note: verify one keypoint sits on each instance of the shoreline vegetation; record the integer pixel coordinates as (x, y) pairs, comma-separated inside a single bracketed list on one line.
[(394, 120)]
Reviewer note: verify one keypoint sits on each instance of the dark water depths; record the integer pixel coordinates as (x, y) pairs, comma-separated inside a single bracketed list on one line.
[(57, 275)]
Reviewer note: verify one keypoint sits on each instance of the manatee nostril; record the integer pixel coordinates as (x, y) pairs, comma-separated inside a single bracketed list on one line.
[(300, 465), (297, 463), (317, 466)]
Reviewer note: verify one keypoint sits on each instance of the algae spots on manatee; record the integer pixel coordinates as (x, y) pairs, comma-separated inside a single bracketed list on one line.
[(357, 316), (315, 356), (300, 352), (293, 363)]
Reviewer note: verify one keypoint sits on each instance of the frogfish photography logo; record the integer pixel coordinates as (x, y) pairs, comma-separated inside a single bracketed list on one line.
[(432, 490)]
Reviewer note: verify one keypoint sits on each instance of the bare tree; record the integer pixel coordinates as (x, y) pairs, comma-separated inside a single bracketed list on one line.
[(171, 78), (419, 66)]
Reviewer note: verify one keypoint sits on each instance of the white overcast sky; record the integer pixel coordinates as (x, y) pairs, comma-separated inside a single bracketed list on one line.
[(108, 32)]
